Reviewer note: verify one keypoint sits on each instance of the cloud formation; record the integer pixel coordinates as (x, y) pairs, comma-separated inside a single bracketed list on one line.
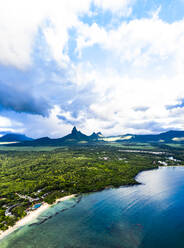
[(22, 100), (61, 65)]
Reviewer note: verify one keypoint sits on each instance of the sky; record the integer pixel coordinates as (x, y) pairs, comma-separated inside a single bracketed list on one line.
[(101, 65)]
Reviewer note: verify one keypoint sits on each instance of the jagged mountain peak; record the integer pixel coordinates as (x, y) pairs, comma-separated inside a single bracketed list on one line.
[(96, 135), (74, 130)]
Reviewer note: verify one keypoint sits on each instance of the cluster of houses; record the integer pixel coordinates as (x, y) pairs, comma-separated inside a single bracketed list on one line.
[(9, 209), (37, 200)]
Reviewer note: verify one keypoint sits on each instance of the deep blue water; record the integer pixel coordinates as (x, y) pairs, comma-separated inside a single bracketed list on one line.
[(150, 215)]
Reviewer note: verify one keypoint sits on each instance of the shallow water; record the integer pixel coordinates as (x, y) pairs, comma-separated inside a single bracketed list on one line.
[(150, 215)]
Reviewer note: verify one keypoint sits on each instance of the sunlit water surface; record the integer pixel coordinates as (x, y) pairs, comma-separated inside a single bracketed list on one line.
[(150, 215)]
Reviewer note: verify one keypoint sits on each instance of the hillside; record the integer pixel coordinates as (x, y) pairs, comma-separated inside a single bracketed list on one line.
[(77, 137), (74, 137), (166, 137), (14, 137)]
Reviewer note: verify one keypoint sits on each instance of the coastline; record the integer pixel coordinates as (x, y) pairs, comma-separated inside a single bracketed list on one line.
[(31, 216), (35, 213)]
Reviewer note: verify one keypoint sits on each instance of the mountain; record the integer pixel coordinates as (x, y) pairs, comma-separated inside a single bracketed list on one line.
[(77, 137), (95, 136), (14, 137), (170, 136), (73, 138)]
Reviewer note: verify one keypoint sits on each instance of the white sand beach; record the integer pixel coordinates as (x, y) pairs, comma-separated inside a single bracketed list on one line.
[(31, 216)]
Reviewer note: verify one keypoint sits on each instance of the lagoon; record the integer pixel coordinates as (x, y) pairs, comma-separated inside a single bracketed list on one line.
[(149, 215)]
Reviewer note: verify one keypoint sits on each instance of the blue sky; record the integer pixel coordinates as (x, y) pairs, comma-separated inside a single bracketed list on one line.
[(110, 66)]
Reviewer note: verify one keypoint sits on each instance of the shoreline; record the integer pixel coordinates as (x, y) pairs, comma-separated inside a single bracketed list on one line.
[(35, 213), (31, 216)]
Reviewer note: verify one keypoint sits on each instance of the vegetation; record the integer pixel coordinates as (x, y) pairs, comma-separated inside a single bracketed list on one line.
[(29, 177)]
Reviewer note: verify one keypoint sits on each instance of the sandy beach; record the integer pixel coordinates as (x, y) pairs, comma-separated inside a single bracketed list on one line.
[(31, 216)]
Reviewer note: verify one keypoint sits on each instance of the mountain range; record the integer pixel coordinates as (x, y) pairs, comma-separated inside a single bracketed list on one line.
[(74, 137), (78, 137), (14, 137), (166, 137)]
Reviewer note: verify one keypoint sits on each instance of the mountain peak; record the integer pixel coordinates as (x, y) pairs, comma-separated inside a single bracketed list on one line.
[(96, 135), (74, 130)]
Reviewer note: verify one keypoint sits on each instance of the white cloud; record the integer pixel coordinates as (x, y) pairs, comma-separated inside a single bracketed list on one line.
[(50, 126), (20, 21), (17, 30), (4, 122), (8, 125), (139, 42), (143, 64), (118, 96), (145, 68)]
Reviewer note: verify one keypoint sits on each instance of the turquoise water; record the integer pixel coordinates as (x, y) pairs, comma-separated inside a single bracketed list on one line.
[(37, 205), (150, 215)]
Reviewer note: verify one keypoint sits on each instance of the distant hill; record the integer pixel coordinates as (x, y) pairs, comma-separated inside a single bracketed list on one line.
[(74, 137), (77, 137), (95, 136), (166, 137), (14, 137)]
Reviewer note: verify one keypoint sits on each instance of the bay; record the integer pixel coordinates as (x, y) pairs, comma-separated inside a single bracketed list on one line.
[(149, 215)]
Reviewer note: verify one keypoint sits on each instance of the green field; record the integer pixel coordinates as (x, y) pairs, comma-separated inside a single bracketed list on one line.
[(28, 148), (137, 146)]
